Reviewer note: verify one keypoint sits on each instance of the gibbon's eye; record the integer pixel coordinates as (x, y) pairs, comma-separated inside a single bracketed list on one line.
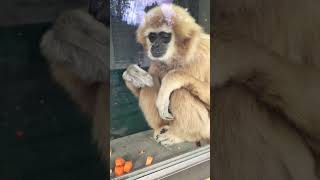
[(166, 37), (152, 36)]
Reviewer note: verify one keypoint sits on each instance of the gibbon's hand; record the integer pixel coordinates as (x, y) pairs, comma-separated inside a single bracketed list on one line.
[(163, 108), (137, 76), (163, 99)]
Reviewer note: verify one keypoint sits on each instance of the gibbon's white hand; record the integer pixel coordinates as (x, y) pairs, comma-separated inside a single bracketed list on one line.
[(162, 103), (137, 76)]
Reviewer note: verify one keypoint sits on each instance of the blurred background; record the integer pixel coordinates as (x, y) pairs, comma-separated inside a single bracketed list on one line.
[(43, 134), (126, 117)]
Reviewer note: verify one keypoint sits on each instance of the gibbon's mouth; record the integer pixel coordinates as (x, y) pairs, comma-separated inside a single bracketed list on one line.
[(160, 58), (157, 54)]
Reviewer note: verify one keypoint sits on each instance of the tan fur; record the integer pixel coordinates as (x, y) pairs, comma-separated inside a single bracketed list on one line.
[(185, 76), (76, 49), (270, 48)]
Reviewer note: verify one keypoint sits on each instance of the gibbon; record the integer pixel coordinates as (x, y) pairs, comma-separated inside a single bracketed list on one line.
[(174, 94), (267, 81), (77, 51)]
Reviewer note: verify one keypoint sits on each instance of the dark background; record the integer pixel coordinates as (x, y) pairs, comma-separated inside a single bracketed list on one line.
[(42, 133)]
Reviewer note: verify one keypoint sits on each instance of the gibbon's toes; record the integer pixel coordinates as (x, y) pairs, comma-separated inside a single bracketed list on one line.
[(159, 131), (165, 138)]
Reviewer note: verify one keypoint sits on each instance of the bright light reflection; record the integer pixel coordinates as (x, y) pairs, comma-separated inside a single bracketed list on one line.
[(134, 11)]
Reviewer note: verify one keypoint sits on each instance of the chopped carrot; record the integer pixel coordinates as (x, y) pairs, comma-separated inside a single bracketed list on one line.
[(149, 160), (119, 161), (127, 166), (118, 170)]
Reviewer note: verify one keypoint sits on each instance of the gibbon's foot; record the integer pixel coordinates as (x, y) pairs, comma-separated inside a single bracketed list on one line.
[(198, 144), (162, 104), (164, 137), (137, 76)]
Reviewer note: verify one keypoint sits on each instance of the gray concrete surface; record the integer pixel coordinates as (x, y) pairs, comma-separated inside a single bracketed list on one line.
[(130, 148), (199, 172)]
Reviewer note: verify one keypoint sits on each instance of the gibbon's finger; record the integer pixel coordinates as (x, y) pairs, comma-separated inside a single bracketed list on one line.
[(148, 80), (167, 138), (135, 81), (139, 76), (126, 76), (165, 115), (162, 130)]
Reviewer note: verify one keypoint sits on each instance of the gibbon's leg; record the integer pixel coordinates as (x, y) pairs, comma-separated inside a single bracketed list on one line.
[(292, 88), (253, 142), (192, 120), (176, 80), (147, 103), (145, 87)]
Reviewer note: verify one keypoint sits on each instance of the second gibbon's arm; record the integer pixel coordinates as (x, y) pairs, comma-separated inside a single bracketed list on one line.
[(291, 88)]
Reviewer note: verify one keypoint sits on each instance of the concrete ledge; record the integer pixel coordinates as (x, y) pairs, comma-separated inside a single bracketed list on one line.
[(130, 148)]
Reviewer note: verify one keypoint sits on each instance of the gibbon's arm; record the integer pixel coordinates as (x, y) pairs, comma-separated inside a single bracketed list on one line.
[(292, 88), (81, 43), (175, 80), (136, 78), (178, 79)]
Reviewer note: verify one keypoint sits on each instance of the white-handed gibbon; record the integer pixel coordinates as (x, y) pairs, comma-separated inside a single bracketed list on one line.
[(267, 90), (174, 94), (77, 51)]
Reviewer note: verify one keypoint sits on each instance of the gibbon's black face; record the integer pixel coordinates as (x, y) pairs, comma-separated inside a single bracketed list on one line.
[(159, 43)]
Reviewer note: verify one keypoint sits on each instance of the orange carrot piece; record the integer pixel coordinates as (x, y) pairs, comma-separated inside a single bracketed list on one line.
[(119, 161), (149, 160), (127, 166), (118, 170)]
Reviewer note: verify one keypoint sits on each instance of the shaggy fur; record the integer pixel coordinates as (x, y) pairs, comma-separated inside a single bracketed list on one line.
[(184, 77), (77, 51), (267, 90)]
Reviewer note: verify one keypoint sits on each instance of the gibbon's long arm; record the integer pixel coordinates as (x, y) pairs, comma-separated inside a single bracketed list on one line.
[(291, 88), (175, 80), (178, 79), (81, 43)]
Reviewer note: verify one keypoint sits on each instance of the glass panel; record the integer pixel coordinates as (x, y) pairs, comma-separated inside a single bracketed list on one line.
[(131, 137)]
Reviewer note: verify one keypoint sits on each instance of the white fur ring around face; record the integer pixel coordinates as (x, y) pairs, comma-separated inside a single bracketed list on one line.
[(137, 76)]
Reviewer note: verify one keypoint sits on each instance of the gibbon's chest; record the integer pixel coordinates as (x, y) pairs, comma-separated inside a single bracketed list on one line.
[(197, 70)]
